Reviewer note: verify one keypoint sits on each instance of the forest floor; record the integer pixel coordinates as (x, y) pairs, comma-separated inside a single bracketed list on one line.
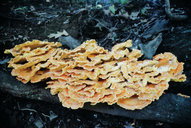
[(108, 24)]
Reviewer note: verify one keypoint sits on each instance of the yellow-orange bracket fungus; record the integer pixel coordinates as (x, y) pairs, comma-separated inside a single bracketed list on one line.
[(89, 73)]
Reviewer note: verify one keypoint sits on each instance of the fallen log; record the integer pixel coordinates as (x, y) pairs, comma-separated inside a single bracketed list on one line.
[(169, 108)]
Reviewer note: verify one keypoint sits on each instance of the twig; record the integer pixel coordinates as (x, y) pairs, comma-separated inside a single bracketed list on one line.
[(45, 115), (173, 16), (28, 109), (104, 43), (42, 122), (128, 36)]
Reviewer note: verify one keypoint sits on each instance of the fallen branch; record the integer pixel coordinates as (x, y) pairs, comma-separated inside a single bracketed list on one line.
[(169, 108), (171, 15)]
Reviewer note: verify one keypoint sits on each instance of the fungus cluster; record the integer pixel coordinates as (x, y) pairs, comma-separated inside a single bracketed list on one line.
[(89, 73)]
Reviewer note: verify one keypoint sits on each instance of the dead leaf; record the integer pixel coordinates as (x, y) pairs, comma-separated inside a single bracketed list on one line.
[(99, 25), (134, 15), (123, 15), (66, 22), (58, 34), (106, 11)]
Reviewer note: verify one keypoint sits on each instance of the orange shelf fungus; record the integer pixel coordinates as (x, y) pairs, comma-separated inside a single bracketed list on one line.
[(89, 73)]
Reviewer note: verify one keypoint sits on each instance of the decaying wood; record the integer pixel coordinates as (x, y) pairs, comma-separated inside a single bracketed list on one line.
[(169, 108)]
